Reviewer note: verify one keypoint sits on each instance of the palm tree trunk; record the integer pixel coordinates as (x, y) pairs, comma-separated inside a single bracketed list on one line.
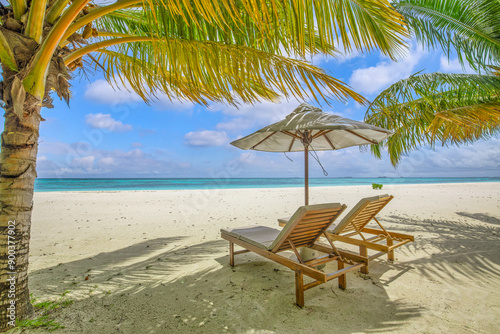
[(19, 146)]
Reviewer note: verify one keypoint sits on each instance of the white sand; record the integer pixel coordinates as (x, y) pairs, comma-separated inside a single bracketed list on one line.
[(156, 264)]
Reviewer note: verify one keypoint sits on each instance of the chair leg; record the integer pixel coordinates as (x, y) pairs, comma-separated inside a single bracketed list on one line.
[(299, 288), (342, 278), (390, 255), (363, 251), (231, 254)]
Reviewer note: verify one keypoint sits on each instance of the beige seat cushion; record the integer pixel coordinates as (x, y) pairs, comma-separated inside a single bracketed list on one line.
[(268, 238), (259, 236)]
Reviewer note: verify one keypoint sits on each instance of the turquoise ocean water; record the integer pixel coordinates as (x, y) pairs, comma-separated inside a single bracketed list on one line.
[(210, 183)]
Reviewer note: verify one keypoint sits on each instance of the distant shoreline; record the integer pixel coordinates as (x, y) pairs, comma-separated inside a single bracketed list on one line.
[(86, 185)]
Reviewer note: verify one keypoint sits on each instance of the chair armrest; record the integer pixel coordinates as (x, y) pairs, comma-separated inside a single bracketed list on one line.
[(282, 221)]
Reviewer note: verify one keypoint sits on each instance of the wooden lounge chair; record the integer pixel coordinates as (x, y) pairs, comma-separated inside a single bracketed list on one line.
[(352, 230), (303, 229)]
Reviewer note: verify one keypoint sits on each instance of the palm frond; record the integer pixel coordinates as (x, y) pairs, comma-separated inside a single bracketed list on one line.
[(356, 24), (468, 123), (19, 8), (149, 81), (6, 54), (437, 107), (246, 37), (128, 21), (227, 71), (292, 25), (96, 13), (34, 83), (470, 28), (165, 25), (36, 17), (55, 10)]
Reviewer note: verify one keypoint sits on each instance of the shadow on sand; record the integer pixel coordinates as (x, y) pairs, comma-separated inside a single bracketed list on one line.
[(153, 287), (483, 217), (156, 287), (457, 250)]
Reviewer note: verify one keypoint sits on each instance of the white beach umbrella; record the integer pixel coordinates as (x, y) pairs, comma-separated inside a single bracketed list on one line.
[(308, 127)]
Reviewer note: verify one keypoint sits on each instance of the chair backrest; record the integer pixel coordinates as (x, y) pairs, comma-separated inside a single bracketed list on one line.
[(362, 213), (306, 225)]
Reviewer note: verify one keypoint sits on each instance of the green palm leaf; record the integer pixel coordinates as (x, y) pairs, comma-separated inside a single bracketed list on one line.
[(357, 24), (470, 28), (226, 72), (137, 22), (149, 80), (264, 30), (251, 63), (430, 108)]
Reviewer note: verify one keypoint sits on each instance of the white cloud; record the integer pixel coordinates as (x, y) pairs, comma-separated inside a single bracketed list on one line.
[(454, 66), (481, 159), (257, 115), (374, 79), (105, 121), (164, 103), (101, 91), (85, 163), (117, 163), (258, 164), (234, 124), (49, 147), (205, 138), (346, 55), (108, 161)]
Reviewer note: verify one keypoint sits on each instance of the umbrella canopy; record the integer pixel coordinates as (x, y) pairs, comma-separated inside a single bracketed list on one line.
[(308, 127)]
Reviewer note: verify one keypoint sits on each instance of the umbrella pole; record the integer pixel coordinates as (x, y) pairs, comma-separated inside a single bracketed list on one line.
[(306, 173)]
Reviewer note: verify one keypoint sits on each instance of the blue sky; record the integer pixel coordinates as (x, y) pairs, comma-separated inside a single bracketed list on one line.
[(112, 133)]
